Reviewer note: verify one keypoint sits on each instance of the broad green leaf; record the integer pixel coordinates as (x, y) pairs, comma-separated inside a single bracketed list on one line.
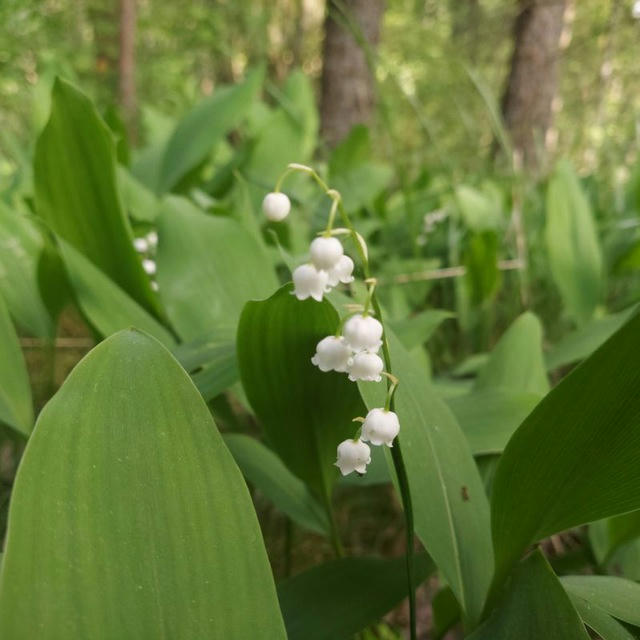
[(619, 597), (304, 412), (450, 506), (575, 256), (203, 127), (21, 245), (416, 330), (516, 363), (575, 458), (607, 627), (489, 418), (76, 191), (582, 342), (340, 598), (480, 212), (129, 518), (208, 267), (607, 535), (534, 606), (16, 408), (105, 305), (268, 473), (139, 201), (482, 278)]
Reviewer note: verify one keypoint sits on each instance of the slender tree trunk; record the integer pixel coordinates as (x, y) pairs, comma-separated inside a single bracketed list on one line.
[(348, 89), (127, 65), (532, 83)]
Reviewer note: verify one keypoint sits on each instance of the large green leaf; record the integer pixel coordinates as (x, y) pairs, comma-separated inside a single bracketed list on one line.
[(340, 598), (607, 627), (208, 267), (77, 195), (534, 607), (575, 257), (450, 506), (21, 245), (16, 409), (267, 473), (516, 362), (416, 330), (105, 305), (305, 413), (575, 458), (203, 127), (129, 518)]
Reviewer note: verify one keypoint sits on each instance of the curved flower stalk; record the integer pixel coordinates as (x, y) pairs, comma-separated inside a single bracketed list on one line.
[(354, 350)]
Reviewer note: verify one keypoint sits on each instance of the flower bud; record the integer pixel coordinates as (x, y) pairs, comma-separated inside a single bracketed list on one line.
[(141, 245), (332, 354), (149, 266), (366, 366), (341, 272), (309, 282), (353, 455), (276, 206), (380, 427), (326, 252), (363, 333)]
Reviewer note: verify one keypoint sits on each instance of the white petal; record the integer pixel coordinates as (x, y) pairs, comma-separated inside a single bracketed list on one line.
[(341, 272), (325, 252), (276, 206), (309, 282), (363, 333), (380, 427), (332, 354), (366, 366)]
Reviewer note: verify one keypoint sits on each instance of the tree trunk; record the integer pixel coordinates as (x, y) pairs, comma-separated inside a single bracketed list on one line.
[(528, 97), (127, 65), (352, 31)]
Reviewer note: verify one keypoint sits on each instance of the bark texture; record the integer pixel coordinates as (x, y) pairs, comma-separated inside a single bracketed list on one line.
[(348, 87), (127, 65), (532, 83)]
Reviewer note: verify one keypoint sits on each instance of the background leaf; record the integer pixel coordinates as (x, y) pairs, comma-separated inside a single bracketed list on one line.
[(132, 514), (607, 627)]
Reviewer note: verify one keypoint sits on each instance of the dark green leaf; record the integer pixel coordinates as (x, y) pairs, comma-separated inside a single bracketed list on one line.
[(607, 627)]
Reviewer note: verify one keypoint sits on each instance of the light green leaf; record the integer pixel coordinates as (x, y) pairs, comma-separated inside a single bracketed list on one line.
[(489, 418), (132, 514), (607, 627), (16, 408), (76, 191), (618, 597), (106, 306), (337, 599), (204, 126), (450, 506), (479, 211), (416, 330), (139, 201), (267, 473), (208, 267), (516, 363), (304, 412), (575, 256), (533, 607), (575, 458)]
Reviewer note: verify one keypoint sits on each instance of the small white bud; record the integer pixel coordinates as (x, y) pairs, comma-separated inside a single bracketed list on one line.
[(325, 252), (366, 366), (341, 272), (353, 455), (141, 245), (149, 266), (276, 206), (363, 333), (152, 239), (380, 427), (309, 282), (332, 354)]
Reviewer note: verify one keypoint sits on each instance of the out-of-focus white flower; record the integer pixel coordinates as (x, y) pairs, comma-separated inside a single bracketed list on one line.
[(149, 266), (152, 239), (353, 455), (326, 252), (341, 272), (309, 282), (154, 285), (366, 366), (380, 427), (141, 245), (635, 10), (363, 333), (276, 206), (332, 354)]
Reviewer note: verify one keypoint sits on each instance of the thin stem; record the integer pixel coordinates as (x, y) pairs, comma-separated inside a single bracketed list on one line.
[(333, 527)]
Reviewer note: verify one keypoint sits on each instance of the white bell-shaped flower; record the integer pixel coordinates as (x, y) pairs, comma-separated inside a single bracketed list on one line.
[(149, 266), (141, 245), (366, 366), (276, 206), (363, 333), (332, 354), (309, 282), (353, 455), (342, 272), (326, 252), (380, 427)]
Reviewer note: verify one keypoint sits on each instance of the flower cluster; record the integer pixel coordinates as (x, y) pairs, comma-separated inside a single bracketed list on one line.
[(354, 349)]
